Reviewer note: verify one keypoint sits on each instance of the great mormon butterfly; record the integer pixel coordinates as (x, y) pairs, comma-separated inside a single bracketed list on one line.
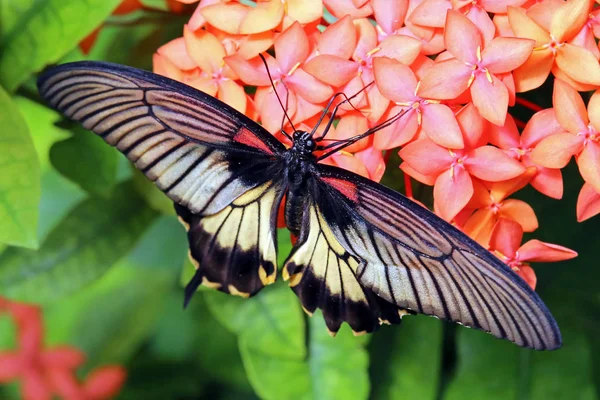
[(365, 254)]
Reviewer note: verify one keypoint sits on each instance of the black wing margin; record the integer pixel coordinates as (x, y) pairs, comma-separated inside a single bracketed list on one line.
[(412, 259)]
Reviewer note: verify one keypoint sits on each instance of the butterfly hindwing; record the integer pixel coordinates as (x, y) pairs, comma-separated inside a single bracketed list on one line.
[(412, 259), (235, 250), (212, 161), (324, 275)]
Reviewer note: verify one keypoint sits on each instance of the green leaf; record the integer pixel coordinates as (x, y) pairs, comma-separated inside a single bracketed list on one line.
[(96, 234), (151, 194), (270, 329), (111, 319), (338, 365), (45, 32), (487, 367), (86, 160), (406, 359), (19, 178)]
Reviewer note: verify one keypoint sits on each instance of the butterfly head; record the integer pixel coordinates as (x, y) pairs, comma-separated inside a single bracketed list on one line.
[(304, 144)]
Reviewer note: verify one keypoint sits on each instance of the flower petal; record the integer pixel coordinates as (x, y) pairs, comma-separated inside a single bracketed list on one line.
[(11, 365), (291, 47), (452, 192), (479, 226), (261, 18), (349, 162), (163, 66), (527, 274), (425, 179), (430, 13), (339, 39), (548, 181), (588, 203), (594, 110), (390, 14), (204, 48), (579, 64), (589, 164), (367, 39), (537, 251), (251, 72), (225, 16), (439, 123), (445, 80), (352, 125), (490, 98), (493, 165), (506, 237), (507, 136), (506, 54), (176, 52), (569, 108), (426, 157), (541, 125), (35, 387), (403, 48), (104, 382), (309, 87), (534, 72), (305, 11), (556, 150), (341, 8), (271, 113), (331, 69), (63, 357), (521, 212), (373, 161), (568, 19), (398, 133), (233, 94), (396, 81), (472, 126), (462, 38), (525, 27)]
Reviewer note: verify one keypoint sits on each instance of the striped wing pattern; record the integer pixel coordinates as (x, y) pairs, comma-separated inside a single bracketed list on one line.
[(235, 250), (412, 259), (204, 155), (324, 275)]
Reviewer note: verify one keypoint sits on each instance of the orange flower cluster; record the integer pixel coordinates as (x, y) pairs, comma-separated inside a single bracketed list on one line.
[(45, 373), (455, 66)]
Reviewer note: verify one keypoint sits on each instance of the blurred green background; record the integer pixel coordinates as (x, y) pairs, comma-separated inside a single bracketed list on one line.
[(99, 248)]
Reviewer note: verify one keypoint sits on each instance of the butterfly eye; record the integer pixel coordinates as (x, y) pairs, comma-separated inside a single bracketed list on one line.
[(310, 144)]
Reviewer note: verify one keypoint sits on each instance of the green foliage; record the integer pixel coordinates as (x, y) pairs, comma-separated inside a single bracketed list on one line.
[(44, 31), (78, 251), (19, 179), (110, 266), (86, 160)]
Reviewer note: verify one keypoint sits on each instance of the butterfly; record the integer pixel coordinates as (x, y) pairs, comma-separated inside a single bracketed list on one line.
[(365, 254)]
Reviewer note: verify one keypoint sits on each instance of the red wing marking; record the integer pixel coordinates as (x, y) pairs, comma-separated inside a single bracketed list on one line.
[(247, 137), (343, 186)]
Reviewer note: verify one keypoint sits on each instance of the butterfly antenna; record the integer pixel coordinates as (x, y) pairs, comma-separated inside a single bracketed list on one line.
[(285, 114), (356, 138), (335, 110)]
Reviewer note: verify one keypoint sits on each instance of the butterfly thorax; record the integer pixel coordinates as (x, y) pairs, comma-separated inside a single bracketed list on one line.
[(300, 167)]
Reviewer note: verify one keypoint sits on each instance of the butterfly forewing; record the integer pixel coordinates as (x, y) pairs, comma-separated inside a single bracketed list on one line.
[(212, 161), (413, 259)]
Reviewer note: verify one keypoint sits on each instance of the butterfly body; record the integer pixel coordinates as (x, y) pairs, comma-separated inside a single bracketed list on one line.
[(365, 255)]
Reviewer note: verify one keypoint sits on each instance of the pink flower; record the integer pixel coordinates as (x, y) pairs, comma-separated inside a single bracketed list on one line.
[(475, 68), (507, 237)]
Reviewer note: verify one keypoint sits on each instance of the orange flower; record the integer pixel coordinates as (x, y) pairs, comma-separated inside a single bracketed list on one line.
[(543, 124), (552, 47), (47, 372), (453, 169), (475, 67), (292, 49), (236, 18), (399, 84), (588, 203), (507, 237), (581, 139), (491, 204)]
